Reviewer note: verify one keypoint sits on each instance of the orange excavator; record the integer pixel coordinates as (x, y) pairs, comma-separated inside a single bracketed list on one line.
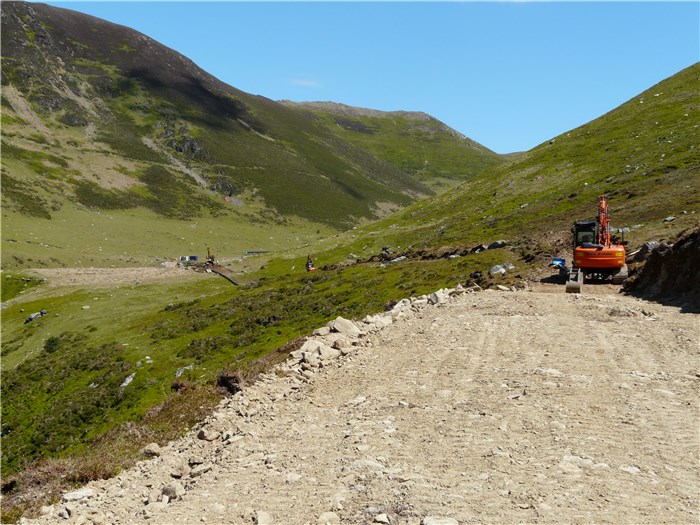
[(597, 257)]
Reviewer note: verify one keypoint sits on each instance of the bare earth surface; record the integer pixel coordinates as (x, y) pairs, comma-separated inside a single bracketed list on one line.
[(494, 407), (110, 277)]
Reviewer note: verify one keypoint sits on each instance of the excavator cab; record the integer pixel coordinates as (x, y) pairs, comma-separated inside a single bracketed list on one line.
[(584, 232)]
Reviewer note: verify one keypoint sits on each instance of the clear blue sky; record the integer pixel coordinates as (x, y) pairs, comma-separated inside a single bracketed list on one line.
[(509, 75)]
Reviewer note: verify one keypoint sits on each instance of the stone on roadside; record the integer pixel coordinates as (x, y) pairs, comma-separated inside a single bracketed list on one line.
[(151, 450), (345, 327), (322, 331), (77, 495), (173, 491), (329, 518), (438, 297), (326, 353), (200, 469), (403, 304), (263, 518), (195, 460), (208, 435)]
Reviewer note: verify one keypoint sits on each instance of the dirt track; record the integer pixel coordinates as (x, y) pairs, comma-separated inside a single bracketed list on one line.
[(110, 277), (497, 407)]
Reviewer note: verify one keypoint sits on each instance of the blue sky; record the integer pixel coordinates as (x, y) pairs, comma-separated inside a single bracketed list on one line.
[(509, 75)]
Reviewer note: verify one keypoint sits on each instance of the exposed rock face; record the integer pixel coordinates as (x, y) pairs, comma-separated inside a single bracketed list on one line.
[(670, 273)]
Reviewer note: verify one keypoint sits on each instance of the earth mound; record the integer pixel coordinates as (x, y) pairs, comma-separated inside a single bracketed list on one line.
[(670, 273)]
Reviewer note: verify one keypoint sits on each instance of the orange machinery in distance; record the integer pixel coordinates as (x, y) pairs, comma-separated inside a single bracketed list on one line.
[(596, 255)]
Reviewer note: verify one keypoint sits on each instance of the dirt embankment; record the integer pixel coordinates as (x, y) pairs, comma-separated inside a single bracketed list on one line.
[(670, 273), (490, 407)]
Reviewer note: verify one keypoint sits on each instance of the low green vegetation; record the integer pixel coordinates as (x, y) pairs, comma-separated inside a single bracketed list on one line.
[(15, 284)]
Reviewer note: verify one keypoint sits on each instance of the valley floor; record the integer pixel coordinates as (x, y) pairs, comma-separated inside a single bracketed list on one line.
[(495, 407)]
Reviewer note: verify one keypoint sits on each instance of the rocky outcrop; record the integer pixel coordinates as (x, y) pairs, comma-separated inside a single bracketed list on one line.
[(670, 273)]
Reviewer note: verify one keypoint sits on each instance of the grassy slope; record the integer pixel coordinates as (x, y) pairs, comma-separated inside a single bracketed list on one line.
[(414, 142), (644, 155), (81, 95)]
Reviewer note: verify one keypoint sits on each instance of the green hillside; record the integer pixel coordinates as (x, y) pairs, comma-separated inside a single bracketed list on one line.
[(644, 155), (417, 143), (67, 418), (98, 117)]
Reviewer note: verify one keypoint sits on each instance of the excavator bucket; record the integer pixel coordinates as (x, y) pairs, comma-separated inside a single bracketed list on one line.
[(575, 282)]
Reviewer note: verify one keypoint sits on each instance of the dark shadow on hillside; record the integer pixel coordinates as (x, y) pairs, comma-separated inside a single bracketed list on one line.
[(193, 93)]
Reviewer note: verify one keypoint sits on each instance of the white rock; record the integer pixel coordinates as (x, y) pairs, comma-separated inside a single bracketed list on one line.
[(329, 518), (438, 297), (173, 491), (326, 353), (78, 495), (345, 327), (152, 450), (630, 469), (403, 304), (208, 435), (497, 270), (200, 469), (263, 518), (128, 380)]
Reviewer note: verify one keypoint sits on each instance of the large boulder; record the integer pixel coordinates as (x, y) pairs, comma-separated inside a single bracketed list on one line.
[(345, 327)]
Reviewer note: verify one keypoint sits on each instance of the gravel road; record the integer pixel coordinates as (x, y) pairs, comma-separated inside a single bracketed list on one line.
[(493, 407)]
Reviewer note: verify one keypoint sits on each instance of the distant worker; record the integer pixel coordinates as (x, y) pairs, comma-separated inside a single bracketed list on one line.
[(309, 264)]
